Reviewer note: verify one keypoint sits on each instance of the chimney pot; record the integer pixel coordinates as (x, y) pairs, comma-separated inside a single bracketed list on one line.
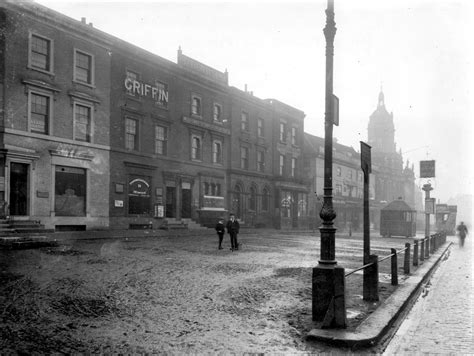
[(83, 20)]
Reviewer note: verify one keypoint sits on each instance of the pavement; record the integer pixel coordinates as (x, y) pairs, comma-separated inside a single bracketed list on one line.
[(379, 325), (441, 321)]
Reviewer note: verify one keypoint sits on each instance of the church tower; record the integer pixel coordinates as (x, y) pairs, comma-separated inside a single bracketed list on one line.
[(381, 130)]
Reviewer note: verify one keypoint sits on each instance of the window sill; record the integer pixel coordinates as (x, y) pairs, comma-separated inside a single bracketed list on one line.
[(50, 73), (88, 85)]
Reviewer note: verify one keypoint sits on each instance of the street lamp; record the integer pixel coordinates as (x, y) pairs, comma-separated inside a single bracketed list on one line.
[(328, 302)]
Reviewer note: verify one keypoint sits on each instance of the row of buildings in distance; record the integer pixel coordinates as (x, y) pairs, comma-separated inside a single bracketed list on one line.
[(98, 133)]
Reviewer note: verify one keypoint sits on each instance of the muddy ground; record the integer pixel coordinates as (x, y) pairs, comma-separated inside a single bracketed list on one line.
[(169, 294)]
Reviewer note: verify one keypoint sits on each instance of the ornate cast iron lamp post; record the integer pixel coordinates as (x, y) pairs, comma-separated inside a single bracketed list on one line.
[(328, 278)]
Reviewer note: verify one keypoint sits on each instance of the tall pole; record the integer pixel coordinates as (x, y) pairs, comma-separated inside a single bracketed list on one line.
[(327, 213), (328, 279), (427, 188)]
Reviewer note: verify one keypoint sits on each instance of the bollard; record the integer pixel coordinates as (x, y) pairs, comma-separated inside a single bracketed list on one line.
[(415, 253), (427, 247), (422, 250), (406, 264), (432, 243), (371, 280), (394, 267)]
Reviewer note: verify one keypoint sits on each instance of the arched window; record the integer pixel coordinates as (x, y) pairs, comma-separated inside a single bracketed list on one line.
[(236, 200)]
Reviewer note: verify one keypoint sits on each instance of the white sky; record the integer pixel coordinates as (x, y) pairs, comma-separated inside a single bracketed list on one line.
[(419, 50)]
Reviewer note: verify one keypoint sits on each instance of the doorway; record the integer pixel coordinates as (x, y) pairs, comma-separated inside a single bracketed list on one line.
[(236, 201), (19, 189), (170, 202), (186, 203)]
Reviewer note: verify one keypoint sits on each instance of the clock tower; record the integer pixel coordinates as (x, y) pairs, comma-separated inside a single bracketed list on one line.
[(381, 130)]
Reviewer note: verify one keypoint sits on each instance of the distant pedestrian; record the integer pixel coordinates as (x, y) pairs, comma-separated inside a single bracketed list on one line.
[(220, 228), (462, 231), (233, 227)]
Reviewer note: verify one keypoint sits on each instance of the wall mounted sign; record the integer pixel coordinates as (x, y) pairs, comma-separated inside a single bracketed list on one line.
[(139, 187), (157, 93)]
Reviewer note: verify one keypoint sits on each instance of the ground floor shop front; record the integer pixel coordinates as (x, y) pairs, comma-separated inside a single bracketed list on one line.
[(60, 184)]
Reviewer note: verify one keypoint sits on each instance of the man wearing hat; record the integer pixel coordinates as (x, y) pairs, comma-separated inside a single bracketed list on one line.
[(233, 227), (220, 228)]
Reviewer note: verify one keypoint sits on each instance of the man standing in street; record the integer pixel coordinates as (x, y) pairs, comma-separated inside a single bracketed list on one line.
[(233, 227), (462, 230)]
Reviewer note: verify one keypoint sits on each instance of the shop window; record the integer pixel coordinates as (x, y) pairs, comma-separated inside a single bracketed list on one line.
[(83, 67), (41, 53), (82, 122), (161, 140), (286, 202), (302, 204), (131, 134), (40, 113), (70, 191), (139, 201)]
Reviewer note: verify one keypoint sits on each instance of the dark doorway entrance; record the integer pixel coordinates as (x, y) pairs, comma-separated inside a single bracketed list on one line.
[(294, 208), (170, 202), (236, 201), (18, 189), (185, 203)]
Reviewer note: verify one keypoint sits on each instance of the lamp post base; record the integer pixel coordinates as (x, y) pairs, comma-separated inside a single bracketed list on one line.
[(329, 304)]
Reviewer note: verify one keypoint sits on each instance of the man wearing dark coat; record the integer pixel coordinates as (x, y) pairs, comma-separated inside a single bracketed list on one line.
[(233, 227), (462, 231), (220, 228)]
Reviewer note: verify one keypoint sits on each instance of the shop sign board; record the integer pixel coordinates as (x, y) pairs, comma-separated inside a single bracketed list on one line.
[(427, 169)]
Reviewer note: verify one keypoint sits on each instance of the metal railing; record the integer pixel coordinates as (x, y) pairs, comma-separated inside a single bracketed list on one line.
[(421, 250)]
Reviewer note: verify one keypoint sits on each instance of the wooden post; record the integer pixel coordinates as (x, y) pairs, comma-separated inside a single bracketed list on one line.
[(394, 267)]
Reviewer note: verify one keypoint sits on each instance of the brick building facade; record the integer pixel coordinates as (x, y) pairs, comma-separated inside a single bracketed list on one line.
[(98, 133), (54, 118)]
